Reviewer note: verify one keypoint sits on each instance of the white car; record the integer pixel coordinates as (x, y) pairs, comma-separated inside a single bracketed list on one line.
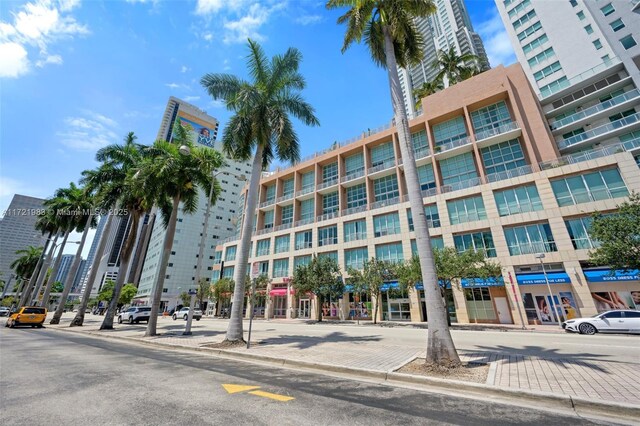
[(184, 314), (135, 314), (617, 321), (4, 311)]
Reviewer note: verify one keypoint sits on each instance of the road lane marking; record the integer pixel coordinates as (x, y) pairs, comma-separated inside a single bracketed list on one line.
[(238, 388), (270, 395)]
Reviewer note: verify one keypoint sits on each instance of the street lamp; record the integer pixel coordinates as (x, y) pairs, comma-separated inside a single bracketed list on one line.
[(203, 238), (541, 256)]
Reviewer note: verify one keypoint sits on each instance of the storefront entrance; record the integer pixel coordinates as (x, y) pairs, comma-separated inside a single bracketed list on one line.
[(487, 304), (539, 305), (279, 306), (304, 308)]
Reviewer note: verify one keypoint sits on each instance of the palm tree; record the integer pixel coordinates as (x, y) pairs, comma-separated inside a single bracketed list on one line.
[(261, 128), (81, 205), (454, 67), (427, 88), (170, 177), (46, 222), (389, 31), (25, 265)]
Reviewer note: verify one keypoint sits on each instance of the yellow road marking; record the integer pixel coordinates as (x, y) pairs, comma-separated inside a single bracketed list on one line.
[(238, 388), (272, 395)]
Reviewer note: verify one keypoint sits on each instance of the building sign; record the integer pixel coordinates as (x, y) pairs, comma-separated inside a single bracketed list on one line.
[(553, 277), (607, 275), (482, 282), (199, 134)]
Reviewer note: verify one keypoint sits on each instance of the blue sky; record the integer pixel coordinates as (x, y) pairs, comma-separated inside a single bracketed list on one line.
[(75, 76)]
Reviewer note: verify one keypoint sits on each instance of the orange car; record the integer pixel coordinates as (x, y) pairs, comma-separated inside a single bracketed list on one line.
[(27, 315)]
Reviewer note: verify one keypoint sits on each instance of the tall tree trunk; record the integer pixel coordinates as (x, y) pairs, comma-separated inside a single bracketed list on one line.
[(72, 274), (234, 330), (35, 274), (166, 253), (45, 268), (78, 320), (125, 259), (440, 347), (54, 272), (142, 247)]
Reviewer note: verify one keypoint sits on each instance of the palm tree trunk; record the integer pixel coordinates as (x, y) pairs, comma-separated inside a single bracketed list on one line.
[(140, 250), (45, 268), (54, 272), (234, 330), (440, 347), (72, 274), (78, 320), (125, 259), (166, 253), (37, 271)]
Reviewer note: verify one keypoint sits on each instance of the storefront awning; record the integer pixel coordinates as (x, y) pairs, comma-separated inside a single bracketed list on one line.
[(279, 292), (389, 285), (419, 286), (553, 277), (606, 275), (482, 282)]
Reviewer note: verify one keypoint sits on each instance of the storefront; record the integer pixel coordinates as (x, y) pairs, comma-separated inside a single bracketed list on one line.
[(486, 301), (395, 303), (359, 305), (448, 296), (614, 289), (542, 307), (331, 308), (279, 301)]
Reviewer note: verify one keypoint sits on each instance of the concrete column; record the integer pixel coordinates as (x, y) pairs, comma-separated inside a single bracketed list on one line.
[(460, 303), (414, 303)]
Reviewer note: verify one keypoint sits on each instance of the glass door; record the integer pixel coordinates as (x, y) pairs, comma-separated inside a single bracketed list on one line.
[(303, 308)]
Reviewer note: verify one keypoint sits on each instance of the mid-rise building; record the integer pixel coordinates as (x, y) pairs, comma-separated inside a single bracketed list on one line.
[(17, 230), (494, 178), (449, 27), (65, 267), (180, 275)]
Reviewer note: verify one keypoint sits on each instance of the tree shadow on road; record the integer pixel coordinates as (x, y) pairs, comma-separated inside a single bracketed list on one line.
[(305, 342)]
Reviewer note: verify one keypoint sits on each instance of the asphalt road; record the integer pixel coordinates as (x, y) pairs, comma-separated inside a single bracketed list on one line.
[(53, 378)]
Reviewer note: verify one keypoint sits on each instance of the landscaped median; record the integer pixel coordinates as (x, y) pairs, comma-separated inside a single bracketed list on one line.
[(576, 385)]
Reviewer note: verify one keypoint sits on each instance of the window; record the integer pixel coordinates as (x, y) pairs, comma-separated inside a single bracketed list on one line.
[(330, 172), (554, 86), (333, 255), (436, 243), (354, 164), (385, 188), (389, 252), (230, 255), (287, 188), (617, 25), (382, 154), (306, 209), (426, 177), (355, 258), (287, 214), (301, 261), (466, 210), (597, 43), (270, 193), (268, 219), (356, 230), (535, 43), (481, 240), (457, 169), (547, 71), (217, 257), (308, 181), (530, 239), (588, 29), (600, 185), (581, 15), (330, 203), (281, 244), (431, 212), (579, 233), (574, 3), (387, 224), (541, 57), (304, 240), (628, 42), (356, 196), (521, 199), (608, 9), (502, 157), (524, 19), (262, 247), (328, 236), (227, 272), (263, 268), (449, 131), (479, 304), (280, 268), (519, 8), (535, 27), (420, 144), (492, 116)]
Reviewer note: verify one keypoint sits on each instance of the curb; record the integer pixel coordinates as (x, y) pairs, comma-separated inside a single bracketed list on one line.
[(609, 409)]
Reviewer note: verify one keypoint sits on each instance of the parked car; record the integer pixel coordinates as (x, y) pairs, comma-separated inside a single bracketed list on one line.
[(4, 311), (616, 321), (27, 315), (184, 314), (135, 314)]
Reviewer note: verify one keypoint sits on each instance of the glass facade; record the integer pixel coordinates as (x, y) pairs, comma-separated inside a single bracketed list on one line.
[(579, 232), (490, 117), (270, 193), (522, 199), (330, 203), (304, 240), (481, 240), (530, 239), (449, 131), (330, 172), (433, 217), (268, 219), (230, 254), (385, 188), (280, 268), (436, 243), (502, 157), (355, 230), (356, 196), (600, 185), (307, 209), (287, 214), (419, 142), (426, 176), (288, 188), (355, 258), (389, 252), (282, 244), (262, 247), (227, 272), (458, 169), (382, 154), (466, 210), (387, 224), (301, 261), (308, 180), (354, 164), (328, 235)]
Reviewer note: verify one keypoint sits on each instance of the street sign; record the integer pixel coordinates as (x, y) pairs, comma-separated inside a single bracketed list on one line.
[(255, 270)]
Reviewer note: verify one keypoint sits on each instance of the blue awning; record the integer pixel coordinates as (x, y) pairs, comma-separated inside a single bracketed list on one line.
[(482, 282), (607, 275), (419, 286), (348, 288), (554, 278), (389, 285)]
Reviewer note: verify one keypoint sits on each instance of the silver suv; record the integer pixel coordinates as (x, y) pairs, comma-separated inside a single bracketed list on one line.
[(135, 314), (184, 314)]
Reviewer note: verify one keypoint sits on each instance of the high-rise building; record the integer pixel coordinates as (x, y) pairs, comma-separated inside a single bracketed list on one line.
[(582, 58), (77, 281), (84, 275), (17, 230), (449, 27), (65, 267), (492, 179), (180, 275)]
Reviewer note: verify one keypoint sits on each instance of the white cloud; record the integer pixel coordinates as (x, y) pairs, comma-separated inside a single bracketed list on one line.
[(174, 86), (225, 65), (36, 26), (184, 69), (496, 41), (209, 7), (191, 98), (247, 26), (308, 19), (88, 132), (207, 36), (9, 187)]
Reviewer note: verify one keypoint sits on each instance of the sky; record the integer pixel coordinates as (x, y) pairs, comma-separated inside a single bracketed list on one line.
[(78, 75)]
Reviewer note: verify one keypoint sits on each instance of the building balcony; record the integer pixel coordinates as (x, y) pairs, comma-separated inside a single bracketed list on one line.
[(327, 241), (379, 169), (302, 222), (461, 185), (579, 157), (284, 199), (504, 132), (453, 148), (619, 102), (384, 203), (324, 187), (263, 231), (600, 133), (510, 174), (267, 203), (532, 248), (307, 192), (303, 245), (327, 216), (586, 77), (282, 227), (353, 210), (429, 192), (356, 236)]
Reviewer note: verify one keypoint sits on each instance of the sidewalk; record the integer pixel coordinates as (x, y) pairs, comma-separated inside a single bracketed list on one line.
[(577, 375)]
